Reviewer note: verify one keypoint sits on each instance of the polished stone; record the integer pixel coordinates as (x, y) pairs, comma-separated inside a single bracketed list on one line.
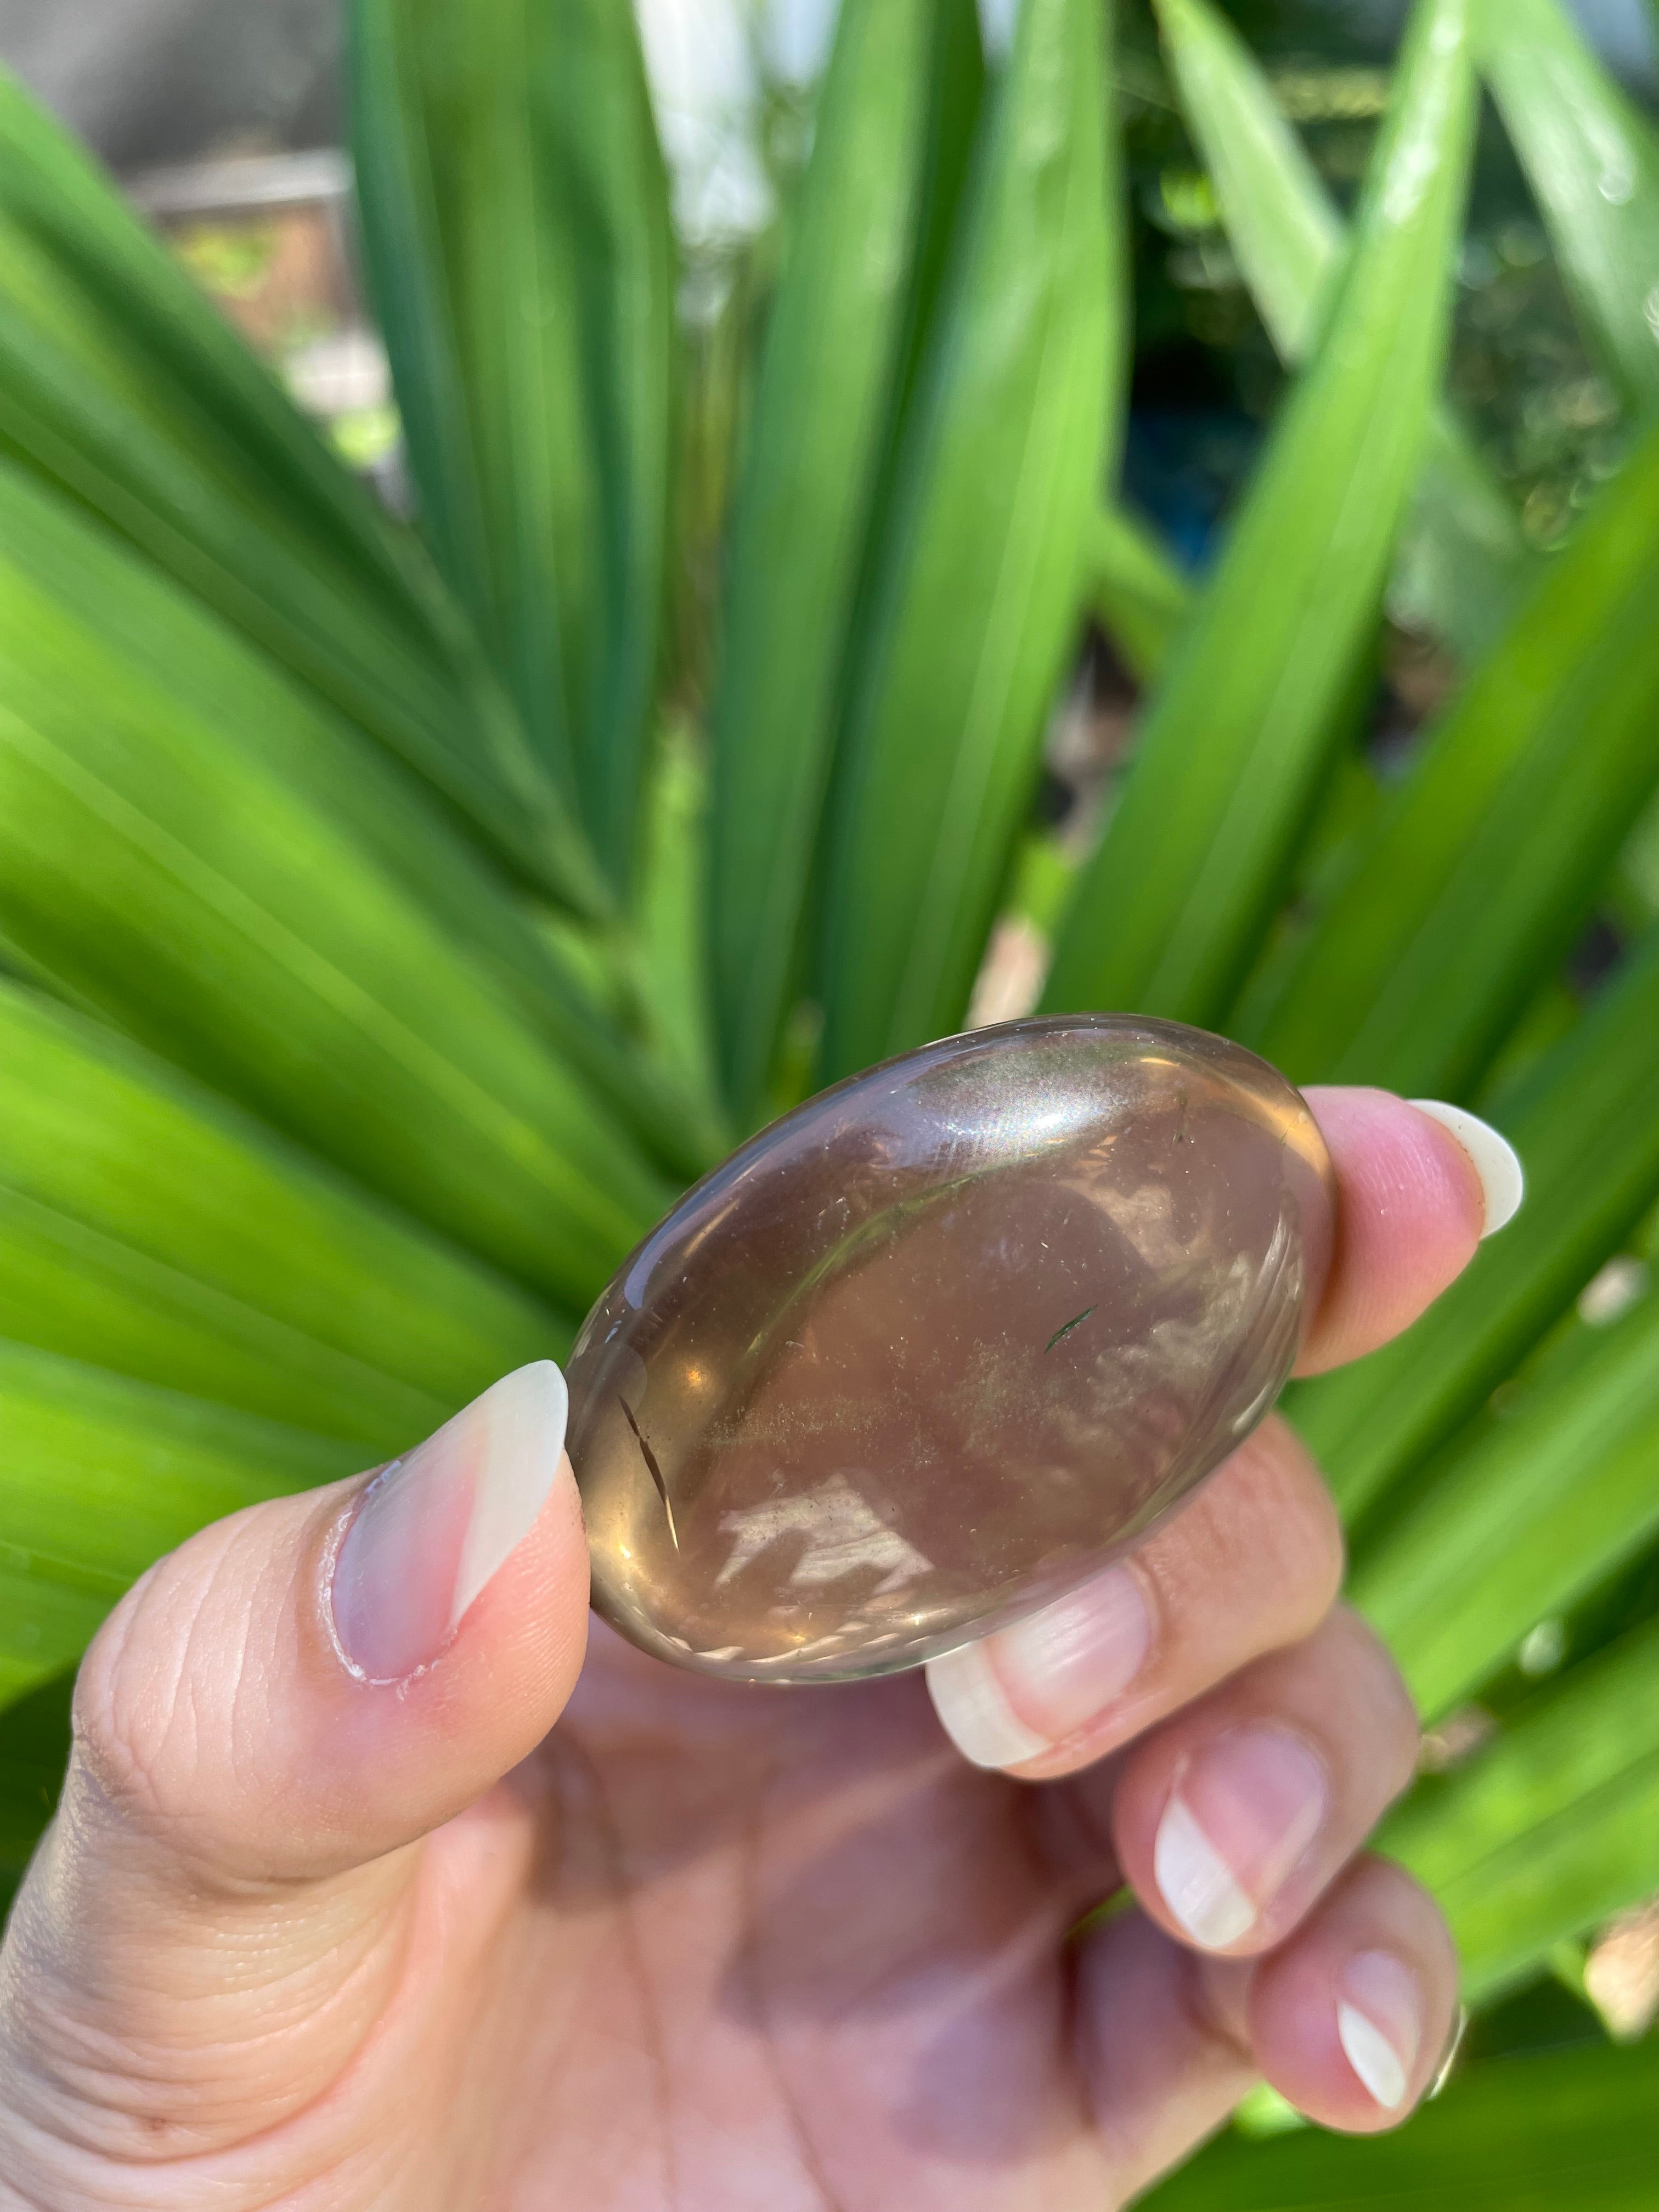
[(931, 1349)]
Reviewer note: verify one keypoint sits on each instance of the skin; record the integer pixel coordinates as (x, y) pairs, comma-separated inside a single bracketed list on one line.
[(299, 1941)]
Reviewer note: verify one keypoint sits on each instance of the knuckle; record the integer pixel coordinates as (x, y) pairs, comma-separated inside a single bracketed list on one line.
[(142, 1734), (1389, 1895), (123, 1720), (1324, 1548), (1268, 1506), (1394, 1731)]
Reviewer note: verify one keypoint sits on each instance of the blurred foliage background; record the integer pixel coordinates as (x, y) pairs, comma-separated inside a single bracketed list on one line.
[(1156, 507)]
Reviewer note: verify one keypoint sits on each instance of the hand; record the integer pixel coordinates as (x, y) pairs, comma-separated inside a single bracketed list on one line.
[(328, 1920)]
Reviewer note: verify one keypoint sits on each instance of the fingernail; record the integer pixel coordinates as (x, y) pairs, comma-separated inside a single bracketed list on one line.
[(1016, 1694), (435, 1525), (1243, 1813), (1379, 2019), (1495, 1160)]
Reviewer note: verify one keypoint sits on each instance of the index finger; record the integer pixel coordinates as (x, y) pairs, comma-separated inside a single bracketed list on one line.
[(1413, 1200)]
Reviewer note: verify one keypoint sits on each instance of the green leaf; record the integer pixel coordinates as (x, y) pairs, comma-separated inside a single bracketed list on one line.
[(211, 678), (1463, 561), (1592, 160), (1551, 1828), (101, 1474), (191, 851), (1285, 233), (122, 385), (1135, 592), (1523, 1519), (975, 583), (832, 368), (1463, 565), (34, 1742), (1546, 2131), (957, 75), (671, 914), (1238, 741), (148, 1227), (516, 227), (1585, 1124), (1484, 865)]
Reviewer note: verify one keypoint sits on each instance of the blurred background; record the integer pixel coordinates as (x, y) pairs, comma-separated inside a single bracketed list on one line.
[(222, 117), (223, 120)]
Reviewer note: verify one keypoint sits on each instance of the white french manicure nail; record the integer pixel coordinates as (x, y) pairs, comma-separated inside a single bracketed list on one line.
[(1372, 2058), (976, 1714), (1378, 2021), (1027, 1687), (1196, 1882), (1493, 1157), (434, 1526), (525, 1416)]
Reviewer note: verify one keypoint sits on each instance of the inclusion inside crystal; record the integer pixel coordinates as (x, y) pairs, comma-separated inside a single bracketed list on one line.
[(930, 1350)]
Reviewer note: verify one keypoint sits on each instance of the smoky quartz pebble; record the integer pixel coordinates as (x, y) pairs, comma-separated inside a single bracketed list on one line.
[(930, 1350)]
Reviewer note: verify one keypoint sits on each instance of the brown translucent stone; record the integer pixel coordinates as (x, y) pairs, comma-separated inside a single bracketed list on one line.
[(926, 1354)]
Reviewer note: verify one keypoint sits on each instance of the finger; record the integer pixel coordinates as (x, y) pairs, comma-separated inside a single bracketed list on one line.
[(1231, 1819), (1248, 1562), (1162, 2066), (1418, 1187), (266, 1718), (1252, 1562), (1347, 2021), (1350, 2019)]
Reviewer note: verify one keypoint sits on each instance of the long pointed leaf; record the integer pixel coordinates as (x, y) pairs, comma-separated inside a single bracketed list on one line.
[(974, 584), (1463, 559), (121, 385), (100, 1475), (148, 1227), (1592, 160), (956, 71), (1584, 1126), (670, 919), (833, 361), (1170, 910), (1136, 593), (194, 862), (211, 679), (1483, 866), (1553, 1827), (1517, 1525), (515, 216)]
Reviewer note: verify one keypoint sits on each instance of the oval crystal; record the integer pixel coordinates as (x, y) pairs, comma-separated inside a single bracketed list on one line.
[(931, 1349)]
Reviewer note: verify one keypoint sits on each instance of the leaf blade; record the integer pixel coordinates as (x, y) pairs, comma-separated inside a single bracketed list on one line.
[(152, 1229), (1553, 1827), (1485, 861), (1136, 593), (1592, 160), (515, 215), (1583, 1126), (1464, 560), (1533, 1512), (194, 863), (976, 579), (123, 388), (101, 1475), (827, 384), (1170, 910)]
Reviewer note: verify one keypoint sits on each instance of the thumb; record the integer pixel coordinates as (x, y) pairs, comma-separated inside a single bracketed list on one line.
[(265, 1727)]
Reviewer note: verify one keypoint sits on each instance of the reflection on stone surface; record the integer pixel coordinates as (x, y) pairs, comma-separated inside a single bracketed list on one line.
[(926, 1354)]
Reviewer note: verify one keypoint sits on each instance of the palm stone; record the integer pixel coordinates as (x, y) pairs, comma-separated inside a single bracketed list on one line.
[(933, 1348)]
